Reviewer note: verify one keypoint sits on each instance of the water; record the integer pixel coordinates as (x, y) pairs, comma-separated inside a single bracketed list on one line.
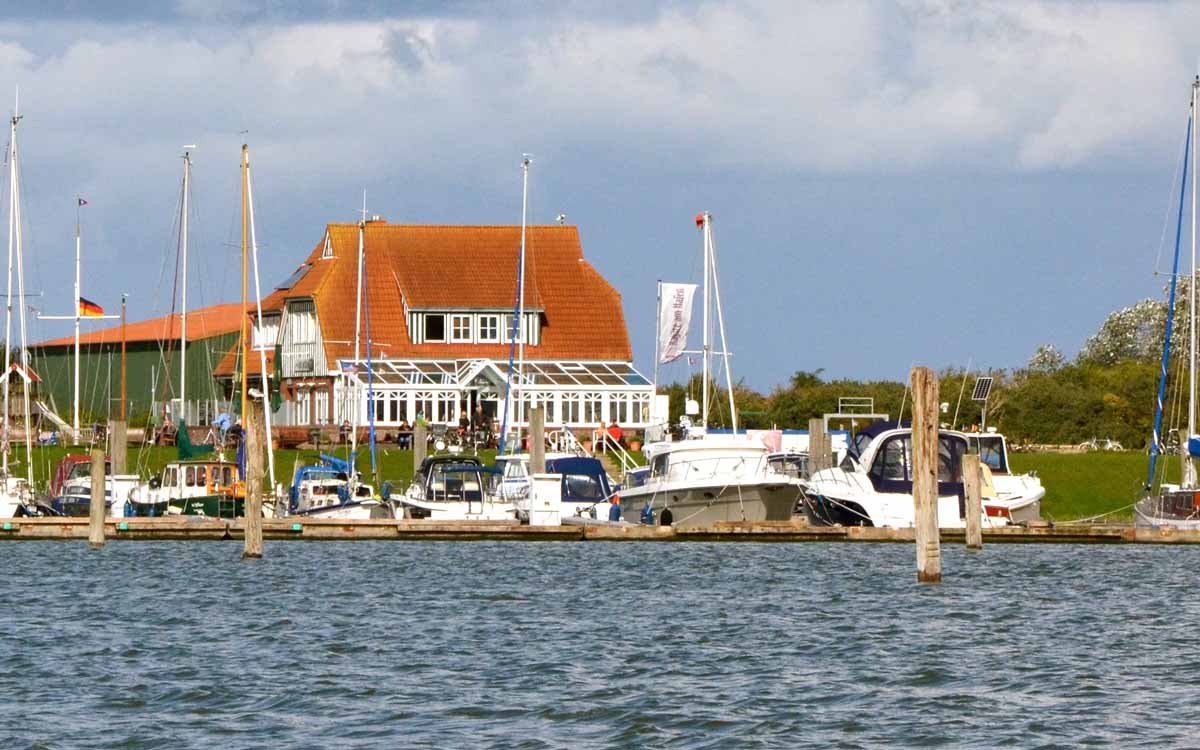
[(548, 645)]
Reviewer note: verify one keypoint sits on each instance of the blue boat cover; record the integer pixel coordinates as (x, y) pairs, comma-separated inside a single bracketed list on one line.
[(1194, 446)]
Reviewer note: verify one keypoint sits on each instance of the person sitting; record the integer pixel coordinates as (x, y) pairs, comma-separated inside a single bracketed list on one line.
[(616, 435), (464, 423), (404, 436)]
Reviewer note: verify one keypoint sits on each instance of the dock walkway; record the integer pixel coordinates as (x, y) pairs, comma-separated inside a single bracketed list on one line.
[(198, 527)]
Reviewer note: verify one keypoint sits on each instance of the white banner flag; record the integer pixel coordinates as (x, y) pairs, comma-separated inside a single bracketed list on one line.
[(673, 320)]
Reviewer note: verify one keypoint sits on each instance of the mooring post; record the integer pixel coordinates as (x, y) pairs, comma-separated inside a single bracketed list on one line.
[(537, 440), (96, 509), (820, 448), (252, 522), (420, 438), (972, 488), (925, 474), (119, 445)]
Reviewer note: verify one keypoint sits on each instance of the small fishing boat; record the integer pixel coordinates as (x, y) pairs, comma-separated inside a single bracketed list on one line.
[(873, 485), (70, 490), (327, 490), (197, 487)]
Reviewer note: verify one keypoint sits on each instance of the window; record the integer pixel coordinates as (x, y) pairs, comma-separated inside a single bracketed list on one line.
[(435, 327), (489, 328), (582, 487), (201, 476), (572, 406), (190, 476), (460, 329), (266, 333), (507, 333), (303, 409), (322, 407), (303, 324), (227, 476), (170, 477), (618, 409), (592, 403)]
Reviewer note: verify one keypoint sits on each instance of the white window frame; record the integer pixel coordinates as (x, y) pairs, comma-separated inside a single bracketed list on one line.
[(322, 406), (490, 320), (506, 328), (425, 328), (455, 319), (303, 324)]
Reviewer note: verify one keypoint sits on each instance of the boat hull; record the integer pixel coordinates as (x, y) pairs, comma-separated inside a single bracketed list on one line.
[(350, 511), (213, 506), (1177, 510), (704, 505)]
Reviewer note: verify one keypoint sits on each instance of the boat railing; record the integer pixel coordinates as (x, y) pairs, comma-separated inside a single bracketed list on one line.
[(719, 468)]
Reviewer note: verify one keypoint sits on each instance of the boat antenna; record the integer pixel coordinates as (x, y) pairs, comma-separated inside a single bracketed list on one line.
[(966, 374)]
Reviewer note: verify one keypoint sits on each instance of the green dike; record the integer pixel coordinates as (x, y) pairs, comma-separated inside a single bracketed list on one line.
[(1081, 485)]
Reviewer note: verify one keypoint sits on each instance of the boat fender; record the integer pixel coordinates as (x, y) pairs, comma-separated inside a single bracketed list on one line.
[(385, 491)]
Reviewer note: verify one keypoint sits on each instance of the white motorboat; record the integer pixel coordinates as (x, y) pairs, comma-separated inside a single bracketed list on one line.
[(873, 484), (454, 488), (1021, 494), (698, 482)]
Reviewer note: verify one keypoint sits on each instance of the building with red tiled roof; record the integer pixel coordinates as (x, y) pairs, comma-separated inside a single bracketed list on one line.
[(152, 352), (437, 313)]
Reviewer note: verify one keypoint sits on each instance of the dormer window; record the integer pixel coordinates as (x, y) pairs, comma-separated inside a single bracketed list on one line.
[(435, 328), (327, 253), (460, 328), (489, 329)]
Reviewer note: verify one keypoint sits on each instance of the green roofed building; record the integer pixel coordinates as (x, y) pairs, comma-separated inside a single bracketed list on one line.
[(152, 367)]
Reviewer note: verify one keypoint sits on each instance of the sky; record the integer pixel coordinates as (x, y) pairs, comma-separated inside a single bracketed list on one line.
[(932, 182)]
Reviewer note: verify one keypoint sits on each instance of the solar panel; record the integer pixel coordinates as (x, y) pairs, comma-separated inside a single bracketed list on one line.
[(294, 279), (983, 387)]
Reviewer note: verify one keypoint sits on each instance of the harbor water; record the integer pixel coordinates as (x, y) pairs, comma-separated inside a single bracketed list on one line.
[(551, 645)]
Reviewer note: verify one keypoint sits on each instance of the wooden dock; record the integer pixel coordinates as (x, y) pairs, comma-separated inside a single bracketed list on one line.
[(276, 529)]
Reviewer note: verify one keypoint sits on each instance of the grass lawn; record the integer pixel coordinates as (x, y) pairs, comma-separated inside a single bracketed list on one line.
[(394, 464), (1079, 485)]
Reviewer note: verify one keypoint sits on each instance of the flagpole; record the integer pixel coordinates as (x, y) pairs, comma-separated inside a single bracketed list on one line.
[(657, 331), (123, 298), (78, 248)]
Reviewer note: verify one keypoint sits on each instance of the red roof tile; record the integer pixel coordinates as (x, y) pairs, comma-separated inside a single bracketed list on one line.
[(471, 267), (201, 324)]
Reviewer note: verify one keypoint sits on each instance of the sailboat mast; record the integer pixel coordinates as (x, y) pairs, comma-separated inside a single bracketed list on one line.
[(657, 323), (12, 214), (245, 275), (1189, 470), (183, 241), (706, 220), (721, 327), (24, 352), (519, 396), (78, 254), (262, 349), (358, 292)]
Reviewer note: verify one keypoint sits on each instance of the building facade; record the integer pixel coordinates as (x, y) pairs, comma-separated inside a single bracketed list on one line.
[(436, 330)]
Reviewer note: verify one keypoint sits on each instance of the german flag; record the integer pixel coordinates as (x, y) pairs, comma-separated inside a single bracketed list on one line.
[(89, 309)]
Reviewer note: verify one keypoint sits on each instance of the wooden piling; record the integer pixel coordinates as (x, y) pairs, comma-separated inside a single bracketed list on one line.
[(972, 488), (420, 442), (820, 447), (252, 433), (96, 509), (118, 438), (537, 440), (925, 474)]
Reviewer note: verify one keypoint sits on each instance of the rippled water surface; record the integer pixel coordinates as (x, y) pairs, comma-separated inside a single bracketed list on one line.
[(540, 645)]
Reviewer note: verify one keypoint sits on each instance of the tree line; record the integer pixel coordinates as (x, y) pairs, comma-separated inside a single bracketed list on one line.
[(1107, 391)]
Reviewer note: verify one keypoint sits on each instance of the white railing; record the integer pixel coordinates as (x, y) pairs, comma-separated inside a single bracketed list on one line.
[(719, 468), (602, 442)]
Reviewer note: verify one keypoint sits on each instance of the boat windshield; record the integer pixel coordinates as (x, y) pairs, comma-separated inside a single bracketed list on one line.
[(582, 487), (894, 462), (991, 452)]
